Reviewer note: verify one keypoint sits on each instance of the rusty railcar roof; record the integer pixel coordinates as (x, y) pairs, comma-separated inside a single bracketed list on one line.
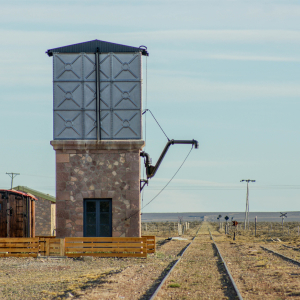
[(19, 193)]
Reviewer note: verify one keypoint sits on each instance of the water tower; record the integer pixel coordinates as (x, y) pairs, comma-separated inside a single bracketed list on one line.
[(97, 102)]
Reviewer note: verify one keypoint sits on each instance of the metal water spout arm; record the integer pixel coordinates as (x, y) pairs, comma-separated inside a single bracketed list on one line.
[(150, 169)]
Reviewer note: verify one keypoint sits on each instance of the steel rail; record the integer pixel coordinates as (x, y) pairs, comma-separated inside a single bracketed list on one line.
[(294, 248), (170, 271), (296, 262), (227, 270)]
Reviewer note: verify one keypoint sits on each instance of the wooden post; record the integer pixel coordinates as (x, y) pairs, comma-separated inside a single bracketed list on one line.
[(62, 247), (8, 217), (33, 217), (255, 224), (47, 247)]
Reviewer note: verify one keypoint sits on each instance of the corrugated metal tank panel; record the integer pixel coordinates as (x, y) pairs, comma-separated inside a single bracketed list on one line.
[(74, 94)]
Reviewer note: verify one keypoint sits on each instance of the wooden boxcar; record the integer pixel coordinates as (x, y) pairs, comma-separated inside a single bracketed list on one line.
[(17, 214)]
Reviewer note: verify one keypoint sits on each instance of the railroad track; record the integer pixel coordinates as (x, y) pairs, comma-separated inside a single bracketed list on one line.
[(159, 287), (294, 248), (238, 294), (284, 257), (261, 271), (173, 267), (256, 269)]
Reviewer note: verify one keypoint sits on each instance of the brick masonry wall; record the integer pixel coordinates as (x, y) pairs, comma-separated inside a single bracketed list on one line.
[(42, 217), (85, 173)]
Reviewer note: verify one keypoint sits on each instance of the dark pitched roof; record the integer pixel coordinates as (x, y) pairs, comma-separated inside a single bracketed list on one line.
[(91, 47)]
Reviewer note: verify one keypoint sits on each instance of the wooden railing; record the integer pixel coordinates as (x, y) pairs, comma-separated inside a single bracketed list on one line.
[(19, 247), (151, 243), (52, 247), (79, 246), (106, 247)]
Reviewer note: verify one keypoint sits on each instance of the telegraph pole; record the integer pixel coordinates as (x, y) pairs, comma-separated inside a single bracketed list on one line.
[(247, 203), (12, 176)]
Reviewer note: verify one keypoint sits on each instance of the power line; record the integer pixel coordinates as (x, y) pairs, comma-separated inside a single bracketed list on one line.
[(37, 176), (222, 188)]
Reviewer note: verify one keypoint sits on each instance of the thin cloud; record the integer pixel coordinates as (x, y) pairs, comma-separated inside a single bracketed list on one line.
[(52, 38), (251, 58), (191, 182), (196, 89)]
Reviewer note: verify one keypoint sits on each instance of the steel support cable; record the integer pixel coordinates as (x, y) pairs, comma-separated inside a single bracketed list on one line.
[(164, 186), (146, 106), (171, 178), (156, 122)]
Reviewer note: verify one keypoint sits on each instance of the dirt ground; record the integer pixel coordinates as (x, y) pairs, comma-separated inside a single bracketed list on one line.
[(199, 275), (87, 278)]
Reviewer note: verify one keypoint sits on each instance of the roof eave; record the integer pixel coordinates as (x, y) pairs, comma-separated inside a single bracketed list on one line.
[(142, 49)]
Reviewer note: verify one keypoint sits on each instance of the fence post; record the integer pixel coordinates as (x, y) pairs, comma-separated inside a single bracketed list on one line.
[(255, 224), (47, 247), (145, 249), (62, 247)]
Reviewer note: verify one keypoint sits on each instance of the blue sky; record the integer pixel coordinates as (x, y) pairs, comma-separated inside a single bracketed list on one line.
[(223, 72)]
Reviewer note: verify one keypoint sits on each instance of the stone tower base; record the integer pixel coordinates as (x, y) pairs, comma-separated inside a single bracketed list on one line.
[(88, 169)]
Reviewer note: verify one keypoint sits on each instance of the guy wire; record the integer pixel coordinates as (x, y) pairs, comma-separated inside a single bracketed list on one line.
[(164, 186)]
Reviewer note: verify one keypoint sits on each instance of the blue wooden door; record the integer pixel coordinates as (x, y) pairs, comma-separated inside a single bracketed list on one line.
[(97, 218)]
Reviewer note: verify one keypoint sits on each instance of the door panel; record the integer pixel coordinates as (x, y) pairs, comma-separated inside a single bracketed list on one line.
[(97, 218)]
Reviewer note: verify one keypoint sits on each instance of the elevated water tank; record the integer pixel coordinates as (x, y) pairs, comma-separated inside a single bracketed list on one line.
[(97, 91)]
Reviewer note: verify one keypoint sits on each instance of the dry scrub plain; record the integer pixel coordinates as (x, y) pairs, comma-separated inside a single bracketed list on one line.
[(199, 275)]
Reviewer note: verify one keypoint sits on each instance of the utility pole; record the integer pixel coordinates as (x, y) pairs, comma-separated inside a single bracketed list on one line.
[(12, 176), (247, 203)]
